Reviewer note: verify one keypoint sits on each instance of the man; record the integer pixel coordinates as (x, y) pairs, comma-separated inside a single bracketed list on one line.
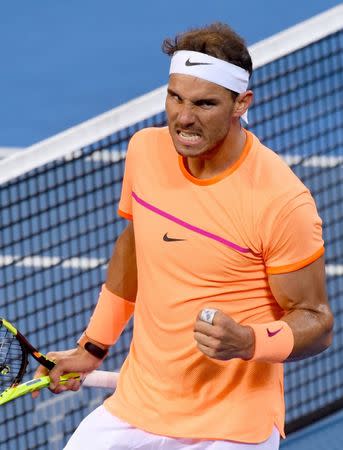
[(222, 263)]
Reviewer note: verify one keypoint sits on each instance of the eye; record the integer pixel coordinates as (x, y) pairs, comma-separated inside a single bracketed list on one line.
[(175, 97), (207, 104)]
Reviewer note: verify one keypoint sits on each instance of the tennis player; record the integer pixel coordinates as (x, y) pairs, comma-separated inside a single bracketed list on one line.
[(222, 264)]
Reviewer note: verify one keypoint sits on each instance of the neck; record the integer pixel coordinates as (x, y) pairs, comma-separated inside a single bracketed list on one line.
[(221, 157)]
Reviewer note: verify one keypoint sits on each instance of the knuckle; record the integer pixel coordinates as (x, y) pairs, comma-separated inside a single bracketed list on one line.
[(216, 345), (77, 386), (218, 317), (200, 347), (212, 353), (219, 333)]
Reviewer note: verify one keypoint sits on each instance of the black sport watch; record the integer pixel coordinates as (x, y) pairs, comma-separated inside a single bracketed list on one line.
[(96, 350)]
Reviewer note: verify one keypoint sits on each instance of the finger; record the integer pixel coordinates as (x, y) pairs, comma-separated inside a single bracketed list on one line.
[(208, 318), (214, 329), (74, 385), (208, 315), (216, 317), (55, 375), (70, 385), (56, 356), (208, 341), (35, 394), (59, 389), (206, 350), (213, 354), (41, 371), (204, 328)]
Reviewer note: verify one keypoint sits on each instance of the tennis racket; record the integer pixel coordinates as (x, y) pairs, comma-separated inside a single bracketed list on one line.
[(14, 357)]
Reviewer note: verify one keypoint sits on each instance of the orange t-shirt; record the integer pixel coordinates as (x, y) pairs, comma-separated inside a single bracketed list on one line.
[(207, 243)]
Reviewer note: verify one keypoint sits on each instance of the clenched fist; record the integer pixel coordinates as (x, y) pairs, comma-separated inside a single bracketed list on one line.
[(224, 338)]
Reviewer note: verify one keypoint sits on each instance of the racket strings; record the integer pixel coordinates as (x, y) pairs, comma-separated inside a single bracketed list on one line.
[(11, 359)]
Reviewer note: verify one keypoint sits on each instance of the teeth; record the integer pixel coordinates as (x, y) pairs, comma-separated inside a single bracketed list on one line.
[(189, 136)]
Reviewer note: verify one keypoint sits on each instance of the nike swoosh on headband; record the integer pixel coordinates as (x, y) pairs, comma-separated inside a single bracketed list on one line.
[(190, 63)]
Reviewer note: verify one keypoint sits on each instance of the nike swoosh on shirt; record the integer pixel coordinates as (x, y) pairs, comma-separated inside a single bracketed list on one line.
[(189, 63), (189, 226), (273, 333), (166, 238)]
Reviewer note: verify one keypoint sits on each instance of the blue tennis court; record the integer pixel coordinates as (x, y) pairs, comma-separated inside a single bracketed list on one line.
[(325, 434)]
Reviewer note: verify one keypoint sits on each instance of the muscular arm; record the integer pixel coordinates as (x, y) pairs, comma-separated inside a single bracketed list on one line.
[(302, 295), (121, 276)]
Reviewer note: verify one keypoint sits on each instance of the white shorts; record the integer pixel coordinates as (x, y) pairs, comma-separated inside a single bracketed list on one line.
[(100, 430)]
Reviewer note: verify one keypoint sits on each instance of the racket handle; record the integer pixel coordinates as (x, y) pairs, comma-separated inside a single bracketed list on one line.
[(35, 384), (101, 379)]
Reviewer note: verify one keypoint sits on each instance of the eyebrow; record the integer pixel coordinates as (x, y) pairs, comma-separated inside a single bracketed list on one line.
[(171, 92), (200, 99)]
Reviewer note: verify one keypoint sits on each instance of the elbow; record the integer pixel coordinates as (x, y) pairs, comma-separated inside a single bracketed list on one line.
[(327, 329)]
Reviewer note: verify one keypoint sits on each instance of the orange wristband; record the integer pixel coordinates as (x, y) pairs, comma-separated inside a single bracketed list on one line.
[(274, 341), (109, 318)]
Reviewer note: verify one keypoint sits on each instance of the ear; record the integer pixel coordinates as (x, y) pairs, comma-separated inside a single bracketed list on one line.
[(242, 103)]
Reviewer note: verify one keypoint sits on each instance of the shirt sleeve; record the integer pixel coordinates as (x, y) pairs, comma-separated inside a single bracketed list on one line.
[(125, 202), (292, 235)]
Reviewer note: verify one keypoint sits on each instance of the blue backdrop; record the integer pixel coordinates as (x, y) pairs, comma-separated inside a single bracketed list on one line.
[(65, 61)]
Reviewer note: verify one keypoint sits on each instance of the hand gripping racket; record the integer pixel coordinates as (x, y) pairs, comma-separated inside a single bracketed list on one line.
[(14, 352)]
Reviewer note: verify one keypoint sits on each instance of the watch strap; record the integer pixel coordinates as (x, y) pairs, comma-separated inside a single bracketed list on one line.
[(94, 348)]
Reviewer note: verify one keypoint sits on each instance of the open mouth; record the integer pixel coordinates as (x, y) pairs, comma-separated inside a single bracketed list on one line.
[(189, 137)]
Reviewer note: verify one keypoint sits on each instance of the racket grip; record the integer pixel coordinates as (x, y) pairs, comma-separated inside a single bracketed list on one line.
[(35, 384), (101, 379), (43, 382)]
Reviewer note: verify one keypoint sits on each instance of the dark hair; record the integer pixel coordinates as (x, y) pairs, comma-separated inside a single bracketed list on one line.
[(217, 40)]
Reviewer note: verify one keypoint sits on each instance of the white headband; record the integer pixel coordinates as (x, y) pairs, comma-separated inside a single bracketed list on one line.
[(211, 69)]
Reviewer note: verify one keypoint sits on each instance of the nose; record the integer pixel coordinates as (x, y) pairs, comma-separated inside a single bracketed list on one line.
[(186, 116)]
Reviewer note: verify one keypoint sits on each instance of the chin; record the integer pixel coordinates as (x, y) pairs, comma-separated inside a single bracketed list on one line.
[(189, 152)]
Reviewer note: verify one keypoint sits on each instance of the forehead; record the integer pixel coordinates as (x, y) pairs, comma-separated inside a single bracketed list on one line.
[(190, 86)]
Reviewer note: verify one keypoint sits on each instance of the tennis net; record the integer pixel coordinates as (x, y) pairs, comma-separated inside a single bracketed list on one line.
[(58, 220)]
